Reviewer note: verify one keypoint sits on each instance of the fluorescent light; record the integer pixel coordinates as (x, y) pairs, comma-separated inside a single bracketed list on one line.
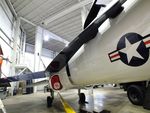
[(46, 37)]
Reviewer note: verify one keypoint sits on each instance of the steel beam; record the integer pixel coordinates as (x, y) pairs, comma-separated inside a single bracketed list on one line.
[(66, 11)]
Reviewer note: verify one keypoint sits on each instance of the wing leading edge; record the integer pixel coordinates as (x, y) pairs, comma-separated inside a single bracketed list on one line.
[(88, 34), (29, 76)]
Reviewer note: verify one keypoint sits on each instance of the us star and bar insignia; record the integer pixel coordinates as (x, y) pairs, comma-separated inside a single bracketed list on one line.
[(132, 50)]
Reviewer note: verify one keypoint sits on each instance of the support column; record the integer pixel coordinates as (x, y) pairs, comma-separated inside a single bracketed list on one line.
[(90, 90), (22, 58), (14, 52), (24, 43), (38, 50), (24, 46)]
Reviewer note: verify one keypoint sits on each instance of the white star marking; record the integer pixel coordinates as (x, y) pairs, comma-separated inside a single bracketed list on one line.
[(131, 50)]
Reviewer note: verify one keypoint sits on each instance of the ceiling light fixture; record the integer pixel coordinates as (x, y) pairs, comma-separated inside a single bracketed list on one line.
[(46, 38)]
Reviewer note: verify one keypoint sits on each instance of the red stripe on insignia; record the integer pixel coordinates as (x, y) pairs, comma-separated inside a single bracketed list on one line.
[(113, 56), (147, 42)]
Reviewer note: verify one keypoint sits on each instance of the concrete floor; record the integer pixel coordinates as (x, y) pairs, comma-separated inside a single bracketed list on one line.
[(113, 99)]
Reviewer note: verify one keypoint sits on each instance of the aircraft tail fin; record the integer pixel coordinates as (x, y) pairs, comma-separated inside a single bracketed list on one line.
[(93, 12)]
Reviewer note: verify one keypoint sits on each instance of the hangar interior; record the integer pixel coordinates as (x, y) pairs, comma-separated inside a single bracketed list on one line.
[(32, 33), (43, 27)]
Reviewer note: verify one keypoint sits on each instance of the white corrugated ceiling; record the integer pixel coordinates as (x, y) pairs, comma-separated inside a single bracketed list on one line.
[(61, 17)]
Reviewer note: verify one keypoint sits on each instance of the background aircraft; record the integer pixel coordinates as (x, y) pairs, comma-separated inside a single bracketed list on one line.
[(102, 53)]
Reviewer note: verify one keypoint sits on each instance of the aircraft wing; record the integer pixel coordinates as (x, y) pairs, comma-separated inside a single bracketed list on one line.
[(88, 34), (30, 76), (43, 82)]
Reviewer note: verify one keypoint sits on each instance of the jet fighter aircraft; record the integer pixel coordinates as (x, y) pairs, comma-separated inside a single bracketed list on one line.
[(112, 48)]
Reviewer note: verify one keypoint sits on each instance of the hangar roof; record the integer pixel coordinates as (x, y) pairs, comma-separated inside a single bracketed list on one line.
[(61, 17)]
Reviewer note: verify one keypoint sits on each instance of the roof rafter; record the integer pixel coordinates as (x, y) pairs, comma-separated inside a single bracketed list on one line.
[(66, 11)]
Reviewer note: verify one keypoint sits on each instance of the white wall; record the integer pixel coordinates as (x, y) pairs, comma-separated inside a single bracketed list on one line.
[(6, 34), (6, 51), (46, 56), (6, 19), (29, 61)]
